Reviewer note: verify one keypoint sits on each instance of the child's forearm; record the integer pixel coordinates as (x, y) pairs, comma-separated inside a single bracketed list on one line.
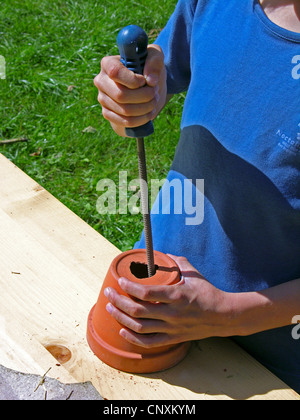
[(275, 307)]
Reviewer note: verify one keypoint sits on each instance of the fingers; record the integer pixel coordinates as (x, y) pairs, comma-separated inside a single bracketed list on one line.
[(162, 294), (122, 94), (134, 315), (148, 340), (133, 308), (125, 121), (140, 326), (126, 106), (129, 99)]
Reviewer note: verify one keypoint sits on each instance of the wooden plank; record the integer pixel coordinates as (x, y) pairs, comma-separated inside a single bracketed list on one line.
[(52, 265)]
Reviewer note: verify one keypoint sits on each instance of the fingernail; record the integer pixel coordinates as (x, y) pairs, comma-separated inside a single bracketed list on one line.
[(107, 292), (121, 281), (109, 308), (122, 332)]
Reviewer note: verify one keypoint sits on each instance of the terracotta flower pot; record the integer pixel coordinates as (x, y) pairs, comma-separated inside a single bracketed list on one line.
[(103, 330)]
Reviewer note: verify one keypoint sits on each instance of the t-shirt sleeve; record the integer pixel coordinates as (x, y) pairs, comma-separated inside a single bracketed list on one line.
[(175, 43)]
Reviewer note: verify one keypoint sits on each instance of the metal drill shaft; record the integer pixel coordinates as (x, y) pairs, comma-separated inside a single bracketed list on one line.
[(132, 42), (145, 205)]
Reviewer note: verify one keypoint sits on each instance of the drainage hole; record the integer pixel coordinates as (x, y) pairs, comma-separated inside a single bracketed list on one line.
[(140, 270)]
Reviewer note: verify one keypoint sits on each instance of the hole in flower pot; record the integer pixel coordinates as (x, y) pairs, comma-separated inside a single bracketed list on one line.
[(140, 270)]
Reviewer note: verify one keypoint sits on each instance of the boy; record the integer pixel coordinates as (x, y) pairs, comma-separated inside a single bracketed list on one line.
[(240, 64)]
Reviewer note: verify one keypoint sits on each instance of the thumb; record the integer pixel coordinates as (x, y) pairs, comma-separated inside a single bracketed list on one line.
[(115, 70), (186, 268), (154, 67)]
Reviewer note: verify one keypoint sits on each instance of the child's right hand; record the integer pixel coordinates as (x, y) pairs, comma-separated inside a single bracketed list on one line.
[(129, 99)]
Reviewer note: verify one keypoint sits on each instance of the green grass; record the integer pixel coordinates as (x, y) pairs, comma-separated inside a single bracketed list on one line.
[(49, 46)]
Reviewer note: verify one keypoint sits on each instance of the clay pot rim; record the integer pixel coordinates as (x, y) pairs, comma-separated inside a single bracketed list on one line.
[(173, 277)]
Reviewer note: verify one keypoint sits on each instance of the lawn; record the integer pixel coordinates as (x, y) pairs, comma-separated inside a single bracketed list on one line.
[(53, 51)]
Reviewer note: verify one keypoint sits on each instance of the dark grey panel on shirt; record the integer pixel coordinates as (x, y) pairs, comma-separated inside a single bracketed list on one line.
[(252, 211)]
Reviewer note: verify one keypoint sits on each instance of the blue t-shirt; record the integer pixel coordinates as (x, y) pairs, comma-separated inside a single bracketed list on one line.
[(231, 202)]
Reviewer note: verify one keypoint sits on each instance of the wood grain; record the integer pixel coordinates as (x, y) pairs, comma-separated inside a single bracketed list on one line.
[(52, 265)]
